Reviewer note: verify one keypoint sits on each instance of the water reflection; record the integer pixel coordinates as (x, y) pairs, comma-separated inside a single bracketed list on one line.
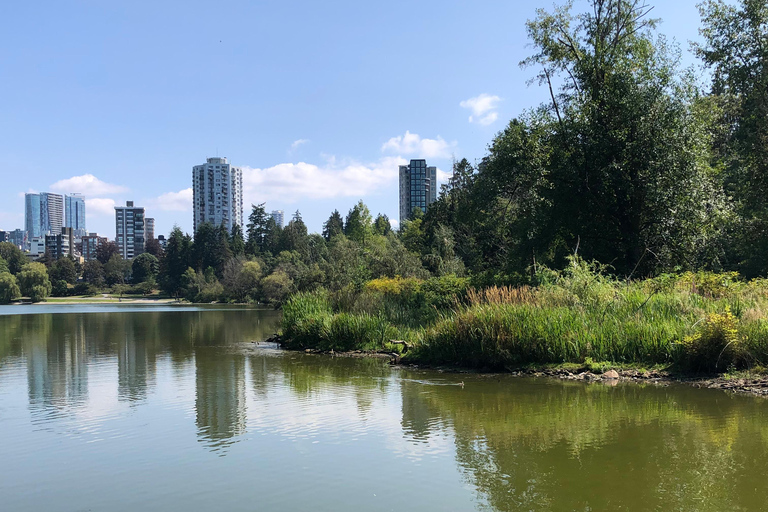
[(540, 445), (220, 396), (500, 443)]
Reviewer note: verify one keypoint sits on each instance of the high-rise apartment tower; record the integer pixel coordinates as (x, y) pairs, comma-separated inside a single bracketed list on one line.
[(279, 217), (217, 194), (129, 230), (149, 229), (74, 214), (44, 214), (418, 187)]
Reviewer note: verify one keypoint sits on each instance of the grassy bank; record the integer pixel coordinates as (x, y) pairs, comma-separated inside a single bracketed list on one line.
[(699, 322)]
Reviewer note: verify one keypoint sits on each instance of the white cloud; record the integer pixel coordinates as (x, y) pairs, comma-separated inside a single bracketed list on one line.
[(99, 206), (180, 201), (293, 182), (412, 144), (395, 224), (89, 185), (298, 143), (442, 176), (483, 108)]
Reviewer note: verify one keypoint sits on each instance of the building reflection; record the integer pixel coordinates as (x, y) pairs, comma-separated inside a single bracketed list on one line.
[(135, 366), (57, 365), (220, 396)]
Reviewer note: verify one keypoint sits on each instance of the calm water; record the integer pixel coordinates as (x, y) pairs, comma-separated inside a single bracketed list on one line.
[(166, 408)]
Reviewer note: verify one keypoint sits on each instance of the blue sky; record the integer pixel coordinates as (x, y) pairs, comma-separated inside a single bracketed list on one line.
[(317, 101)]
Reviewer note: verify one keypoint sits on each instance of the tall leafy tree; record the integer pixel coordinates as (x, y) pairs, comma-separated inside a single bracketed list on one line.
[(381, 225), (34, 282), (294, 237), (236, 242), (13, 257), (256, 228), (615, 164), (358, 226), (9, 288), (735, 47), (144, 267), (333, 226), (105, 252), (177, 258)]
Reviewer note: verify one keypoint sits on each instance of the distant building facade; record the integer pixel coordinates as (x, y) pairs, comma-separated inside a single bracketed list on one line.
[(217, 194), (90, 244), (129, 230), (36, 247), (149, 229), (61, 245), (43, 214), (162, 241), (74, 214), (279, 217), (17, 238), (418, 187)]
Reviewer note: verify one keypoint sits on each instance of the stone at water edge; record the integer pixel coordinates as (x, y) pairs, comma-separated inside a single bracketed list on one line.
[(611, 374)]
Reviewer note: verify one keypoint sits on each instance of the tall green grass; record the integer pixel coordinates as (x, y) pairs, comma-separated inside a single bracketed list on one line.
[(697, 322)]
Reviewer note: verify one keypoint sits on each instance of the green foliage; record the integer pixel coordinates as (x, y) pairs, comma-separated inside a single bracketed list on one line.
[(13, 257), (93, 273), (733, 46), (715, 345), (176, 259), (9, 289), (333, 226), (276, 287), (34, 282), (258, 229), (241, 279), (236, 241), (59, 288), (117, 270), (144, 267), (382, 226), (358, 226), (63, 269)]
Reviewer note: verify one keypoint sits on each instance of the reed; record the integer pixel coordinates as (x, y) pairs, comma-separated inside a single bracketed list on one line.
[(695, 322)]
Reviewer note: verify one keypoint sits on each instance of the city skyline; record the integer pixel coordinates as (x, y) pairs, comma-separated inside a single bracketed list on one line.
[(333, 130)]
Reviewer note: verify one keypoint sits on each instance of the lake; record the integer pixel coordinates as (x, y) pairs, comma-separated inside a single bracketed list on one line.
[(174, 408)]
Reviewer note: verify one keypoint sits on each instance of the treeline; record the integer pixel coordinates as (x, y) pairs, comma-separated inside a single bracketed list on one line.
[(268, 263)]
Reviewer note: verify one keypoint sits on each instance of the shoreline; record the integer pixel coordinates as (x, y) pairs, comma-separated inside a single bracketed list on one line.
[(744, 383)]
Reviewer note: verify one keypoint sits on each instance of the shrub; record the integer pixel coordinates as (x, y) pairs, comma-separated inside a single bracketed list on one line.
[(60, 288), (715, 345)]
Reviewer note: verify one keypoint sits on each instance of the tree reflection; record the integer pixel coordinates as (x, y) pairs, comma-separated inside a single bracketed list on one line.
[(546, 445)]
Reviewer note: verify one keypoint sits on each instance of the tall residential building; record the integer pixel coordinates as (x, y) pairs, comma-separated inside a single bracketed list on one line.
[(61, 245), (74, 214), (418, 187), (217, 194), (279, 216), (129, 230), (90, 244), (149, 229), (44, 214)]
